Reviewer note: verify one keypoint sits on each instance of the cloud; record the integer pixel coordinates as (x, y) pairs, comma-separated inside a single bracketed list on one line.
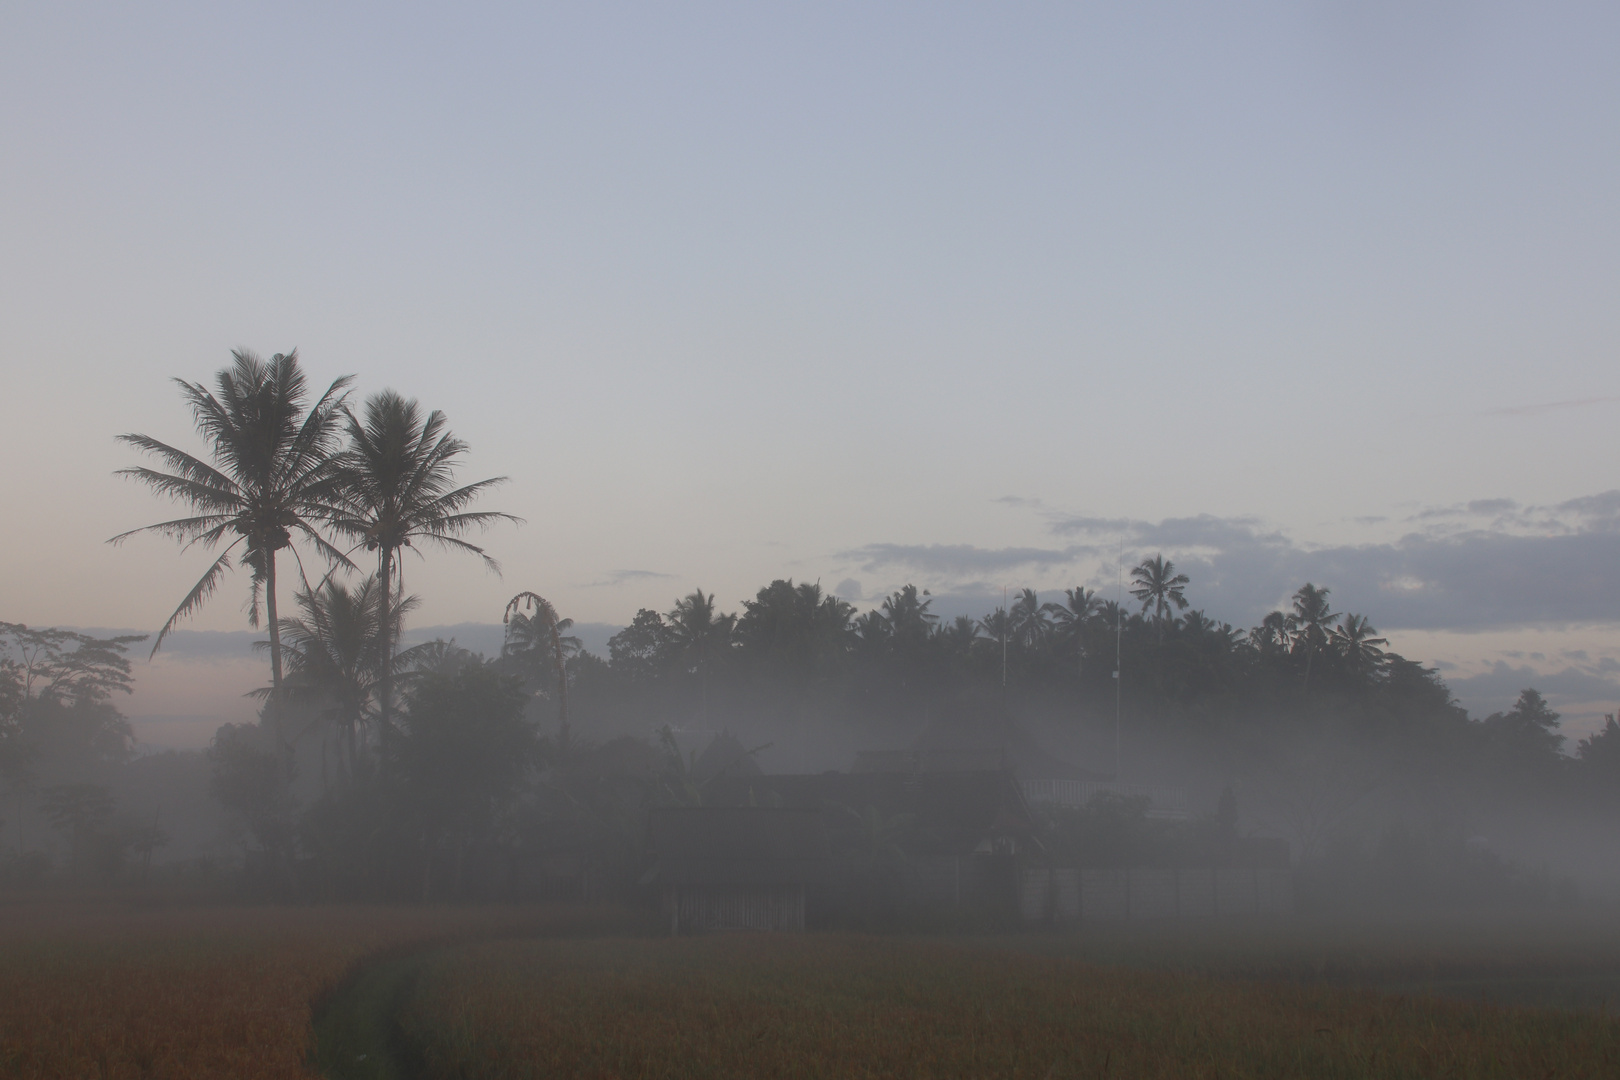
[(956, 559), (1581, 694), (1549, 406), (1497, 564), (620, 577), (848, 589)]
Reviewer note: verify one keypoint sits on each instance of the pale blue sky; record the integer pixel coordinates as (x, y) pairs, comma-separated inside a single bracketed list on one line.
[(738, 292)]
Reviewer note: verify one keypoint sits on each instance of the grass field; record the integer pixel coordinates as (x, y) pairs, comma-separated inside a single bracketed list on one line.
[(102, 991), (98, 990), (849, 1006)]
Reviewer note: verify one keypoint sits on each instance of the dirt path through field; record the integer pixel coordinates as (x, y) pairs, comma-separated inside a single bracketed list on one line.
[(356, 1036)]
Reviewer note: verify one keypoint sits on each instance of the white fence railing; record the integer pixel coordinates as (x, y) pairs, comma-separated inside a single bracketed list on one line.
[(1163, 802), (1143, 893)]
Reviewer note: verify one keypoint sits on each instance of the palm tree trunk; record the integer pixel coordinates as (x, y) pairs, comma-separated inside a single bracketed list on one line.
[(562, 675), (274, 706), (275, 626), (385, 683)]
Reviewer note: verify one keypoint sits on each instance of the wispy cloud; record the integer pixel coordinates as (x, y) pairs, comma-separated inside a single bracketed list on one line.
[(621, 577), (1490, 563), (1549, 406), (959, 558)]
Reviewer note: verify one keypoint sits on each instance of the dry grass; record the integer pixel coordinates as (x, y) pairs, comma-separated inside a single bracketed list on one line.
[(846, 1006), (100, 991)]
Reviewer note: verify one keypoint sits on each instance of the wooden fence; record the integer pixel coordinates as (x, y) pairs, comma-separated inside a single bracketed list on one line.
[(703, 908), (1145, 893)]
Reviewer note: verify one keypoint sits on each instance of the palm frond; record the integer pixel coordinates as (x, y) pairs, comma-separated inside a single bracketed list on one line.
[(194, 599)]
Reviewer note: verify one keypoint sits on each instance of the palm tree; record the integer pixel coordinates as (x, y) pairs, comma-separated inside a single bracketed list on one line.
[(335, 654), (396, 475), (1353, 639), (1031, 622), (698, 632), (1080, 605), (1308, 622), (528, 635), (271, 478), (1158, 586), (1272, 637)]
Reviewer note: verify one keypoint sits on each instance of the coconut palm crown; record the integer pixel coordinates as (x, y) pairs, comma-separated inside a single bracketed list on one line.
[(270, 481), (396, 479)]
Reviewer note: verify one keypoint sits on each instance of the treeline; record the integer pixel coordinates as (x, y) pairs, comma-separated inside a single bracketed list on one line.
[(376, 770)]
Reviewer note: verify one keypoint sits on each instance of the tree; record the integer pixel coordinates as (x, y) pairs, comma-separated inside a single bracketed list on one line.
[(45, 667), (794, 632), (699, 634), (396, 476), (909, 620), (1031, 621), (998, 627), (1159, 587), (1071, 618), (1309, 622), (55, 708), (1599, 755), (271, 479), (335, 654), (1527, 732), (1272, 637), (1353, 641), (83, 814), (465, 752), (540, 631), (639, 651)]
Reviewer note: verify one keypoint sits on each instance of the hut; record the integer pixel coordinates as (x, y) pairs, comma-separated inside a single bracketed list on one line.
[(734, 867)]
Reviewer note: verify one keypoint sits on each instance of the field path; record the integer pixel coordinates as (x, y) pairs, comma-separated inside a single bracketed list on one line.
[(356, 1034)]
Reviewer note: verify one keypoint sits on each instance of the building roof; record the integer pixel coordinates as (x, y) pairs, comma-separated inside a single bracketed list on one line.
[(734, 845), (944, 813)]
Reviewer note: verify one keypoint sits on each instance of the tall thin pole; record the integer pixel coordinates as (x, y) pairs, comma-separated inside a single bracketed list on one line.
[(1004, 622), (1119, 633)]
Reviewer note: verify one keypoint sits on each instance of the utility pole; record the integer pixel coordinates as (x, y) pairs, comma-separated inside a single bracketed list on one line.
[(1005, 619), (1119, 633)]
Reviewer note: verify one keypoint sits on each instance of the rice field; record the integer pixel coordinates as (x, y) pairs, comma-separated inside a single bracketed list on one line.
[(851, 1006), (102, 991)]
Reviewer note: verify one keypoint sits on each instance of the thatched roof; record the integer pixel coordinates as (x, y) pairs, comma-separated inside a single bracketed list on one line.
[(734, 845)]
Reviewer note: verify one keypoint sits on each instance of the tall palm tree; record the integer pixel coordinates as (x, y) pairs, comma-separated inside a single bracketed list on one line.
[(271, 478), (397, 487), (335, 654), (1159, 587), (1080, 605), (700, 633), (1309, 622), (1272, 637), (1031, 622), (1355, 641), (540, 631)]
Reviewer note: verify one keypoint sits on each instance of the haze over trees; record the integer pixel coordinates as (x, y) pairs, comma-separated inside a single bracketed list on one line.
[(386, 771)]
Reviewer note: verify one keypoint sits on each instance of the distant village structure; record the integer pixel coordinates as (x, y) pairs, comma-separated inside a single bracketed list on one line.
[(948, 830)]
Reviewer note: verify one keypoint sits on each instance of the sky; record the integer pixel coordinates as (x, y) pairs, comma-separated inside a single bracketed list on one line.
[(974, 296)]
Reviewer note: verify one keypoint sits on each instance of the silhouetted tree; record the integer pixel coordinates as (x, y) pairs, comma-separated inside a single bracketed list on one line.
[(533, 629), (1309, 624), (700, 634), (1159, 588), (1072, 618), (271, 478), (1354, 643), (335, 655), (396, 492)]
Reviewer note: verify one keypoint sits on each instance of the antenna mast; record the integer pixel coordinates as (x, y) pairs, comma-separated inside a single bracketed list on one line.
[(1119, 631)]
